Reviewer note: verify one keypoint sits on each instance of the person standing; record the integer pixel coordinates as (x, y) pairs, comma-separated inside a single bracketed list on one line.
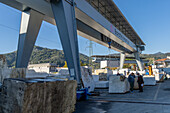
[(140, 82), (131, 79)]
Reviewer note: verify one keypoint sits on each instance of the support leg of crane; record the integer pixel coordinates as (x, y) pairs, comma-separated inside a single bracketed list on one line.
[(138, 60), (65, 21), (122, 60), (30, 25)]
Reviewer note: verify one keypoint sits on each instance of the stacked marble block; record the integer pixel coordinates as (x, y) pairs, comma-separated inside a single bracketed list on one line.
[(116, 85), (149, 80), (38, 96), (159, 77)]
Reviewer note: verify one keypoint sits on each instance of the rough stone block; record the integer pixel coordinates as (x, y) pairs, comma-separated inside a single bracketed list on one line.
[(159, 77), (149, 80), (102, 84), (98, 71), (95, 78), (12, 73), (168, 76), (103, 77), (87, 78), (118, 86), (38, 96)]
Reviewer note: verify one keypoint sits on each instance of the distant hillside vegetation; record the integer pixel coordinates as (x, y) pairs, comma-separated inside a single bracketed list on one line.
[(156, 56), (44, 55)]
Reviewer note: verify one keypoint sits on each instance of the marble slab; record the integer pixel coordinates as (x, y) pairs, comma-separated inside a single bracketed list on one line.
[(118, 86), (149, 80)]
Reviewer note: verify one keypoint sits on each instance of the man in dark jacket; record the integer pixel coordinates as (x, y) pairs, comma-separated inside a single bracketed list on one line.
[(131, 79), (140, 82)]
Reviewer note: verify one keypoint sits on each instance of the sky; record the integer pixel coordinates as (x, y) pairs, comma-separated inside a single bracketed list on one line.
[(149, 18)]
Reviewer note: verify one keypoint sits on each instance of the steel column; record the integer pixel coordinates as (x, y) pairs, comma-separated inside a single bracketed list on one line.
[(65, 21), (30, 25), (139, 62), (122, 60)]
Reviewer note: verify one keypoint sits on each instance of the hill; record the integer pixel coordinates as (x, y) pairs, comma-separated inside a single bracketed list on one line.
[(156, 56), (44, 55)]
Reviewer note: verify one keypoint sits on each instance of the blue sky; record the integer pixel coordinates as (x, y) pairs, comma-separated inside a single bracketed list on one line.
[(150, 19)]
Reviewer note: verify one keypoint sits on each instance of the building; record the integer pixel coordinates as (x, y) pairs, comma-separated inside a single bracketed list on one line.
[(116, 63), (43, 67), (162, 63), (114, 60)]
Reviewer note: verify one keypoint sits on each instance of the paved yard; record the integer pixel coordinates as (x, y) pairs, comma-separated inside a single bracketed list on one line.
[(154, 99)]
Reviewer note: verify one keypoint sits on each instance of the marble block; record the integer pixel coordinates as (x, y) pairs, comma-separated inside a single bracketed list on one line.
[(118, 86), (103, 77), (159, 77), (149, 80), (12, 73), (38, 96), (6, 72), (95, 78), (102, 84), (98, 71), (87, 78), (168, 76)]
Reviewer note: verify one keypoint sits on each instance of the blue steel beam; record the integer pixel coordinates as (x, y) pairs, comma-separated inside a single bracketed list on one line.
[(64, 17), (29, 30), (84, 12)]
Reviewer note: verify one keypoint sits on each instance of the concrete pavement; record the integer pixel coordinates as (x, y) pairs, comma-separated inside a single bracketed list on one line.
[(154, 99)]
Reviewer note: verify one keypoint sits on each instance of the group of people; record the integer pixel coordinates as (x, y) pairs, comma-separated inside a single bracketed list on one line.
[(131, 79)]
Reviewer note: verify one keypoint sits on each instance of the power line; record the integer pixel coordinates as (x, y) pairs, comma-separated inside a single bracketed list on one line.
[(9, 27), (18, 31)]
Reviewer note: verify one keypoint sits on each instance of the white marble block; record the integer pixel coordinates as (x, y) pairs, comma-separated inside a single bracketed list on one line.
[(102, 84), (95, 78), (118, 86), (159, 77), (87, 78), (149, 80)]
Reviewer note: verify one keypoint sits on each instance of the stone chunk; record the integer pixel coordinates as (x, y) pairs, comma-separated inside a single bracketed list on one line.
[(149, 80), (36, 96), (12, 73), (159, 77), (87, 78), (95, 78), (102, 84), (118, 86)]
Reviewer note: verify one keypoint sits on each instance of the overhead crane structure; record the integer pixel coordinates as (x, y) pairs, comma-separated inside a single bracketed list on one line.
[(97, 20)]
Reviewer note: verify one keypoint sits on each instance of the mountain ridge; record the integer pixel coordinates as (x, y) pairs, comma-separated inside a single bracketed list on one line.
[(46, 55)]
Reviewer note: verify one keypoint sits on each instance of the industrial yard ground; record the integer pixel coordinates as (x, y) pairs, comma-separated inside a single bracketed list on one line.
[(154, 99)]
